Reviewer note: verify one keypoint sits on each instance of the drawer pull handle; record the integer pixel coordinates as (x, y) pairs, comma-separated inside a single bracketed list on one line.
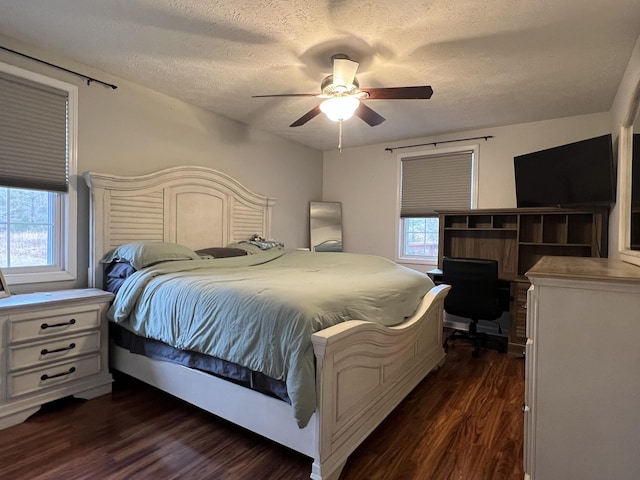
[(49, 377), (44, 351), (44, 326)]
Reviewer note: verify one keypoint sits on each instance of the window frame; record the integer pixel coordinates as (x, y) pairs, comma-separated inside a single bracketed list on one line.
[(400, 227), (65, 231)]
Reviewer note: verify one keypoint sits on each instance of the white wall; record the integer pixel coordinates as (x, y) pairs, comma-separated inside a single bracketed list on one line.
[(134, 130), (365, 179)]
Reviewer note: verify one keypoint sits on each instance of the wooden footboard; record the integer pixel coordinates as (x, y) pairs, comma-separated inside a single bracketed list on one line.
[(364, 370)]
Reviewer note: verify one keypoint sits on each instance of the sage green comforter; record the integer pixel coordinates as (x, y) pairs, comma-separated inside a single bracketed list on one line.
[(260, 311)]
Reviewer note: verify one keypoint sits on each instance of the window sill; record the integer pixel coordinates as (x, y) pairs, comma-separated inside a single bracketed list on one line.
[(416, 261)]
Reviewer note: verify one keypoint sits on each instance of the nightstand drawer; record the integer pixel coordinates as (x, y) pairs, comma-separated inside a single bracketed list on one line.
[(52, 322), (32, 354), (42, 378)]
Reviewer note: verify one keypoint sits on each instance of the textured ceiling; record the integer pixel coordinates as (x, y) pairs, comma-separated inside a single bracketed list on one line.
[(490, 62)]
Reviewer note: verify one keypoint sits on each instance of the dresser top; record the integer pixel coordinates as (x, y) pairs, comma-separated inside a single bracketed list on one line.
[(585, 268), (55, 297)]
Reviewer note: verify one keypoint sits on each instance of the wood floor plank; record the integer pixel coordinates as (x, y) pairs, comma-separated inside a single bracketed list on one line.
[(463, 422)]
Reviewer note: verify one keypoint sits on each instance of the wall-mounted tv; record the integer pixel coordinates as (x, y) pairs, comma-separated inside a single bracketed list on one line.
[(635, 171), (573, 175)]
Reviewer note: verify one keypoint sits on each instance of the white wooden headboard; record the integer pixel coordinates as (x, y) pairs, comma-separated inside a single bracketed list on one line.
[(194, 206)]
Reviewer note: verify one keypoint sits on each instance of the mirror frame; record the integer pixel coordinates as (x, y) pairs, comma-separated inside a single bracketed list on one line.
[(625, 158), (325, 226)]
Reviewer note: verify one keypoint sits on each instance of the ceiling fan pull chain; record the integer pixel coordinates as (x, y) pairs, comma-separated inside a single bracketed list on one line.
[(340, 136)]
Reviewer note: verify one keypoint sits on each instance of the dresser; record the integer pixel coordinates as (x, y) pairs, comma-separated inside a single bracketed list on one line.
[(52, 345), (582, 376)]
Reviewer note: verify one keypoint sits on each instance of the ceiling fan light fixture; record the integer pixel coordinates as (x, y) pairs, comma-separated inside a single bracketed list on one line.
[(340, 108)]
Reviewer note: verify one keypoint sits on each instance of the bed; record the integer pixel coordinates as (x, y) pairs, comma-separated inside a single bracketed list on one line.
[(363, 369)]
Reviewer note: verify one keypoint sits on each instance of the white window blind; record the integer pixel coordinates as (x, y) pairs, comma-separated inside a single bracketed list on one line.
[(33, 135), (435, 182)]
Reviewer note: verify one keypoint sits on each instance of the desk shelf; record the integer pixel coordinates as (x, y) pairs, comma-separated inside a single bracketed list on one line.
[(482, 229), (551, 244)]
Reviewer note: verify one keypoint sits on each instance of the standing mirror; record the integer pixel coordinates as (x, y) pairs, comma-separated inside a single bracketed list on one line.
[(325, 220)]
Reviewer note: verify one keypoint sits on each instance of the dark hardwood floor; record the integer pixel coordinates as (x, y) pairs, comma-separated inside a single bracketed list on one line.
[(463, 421)]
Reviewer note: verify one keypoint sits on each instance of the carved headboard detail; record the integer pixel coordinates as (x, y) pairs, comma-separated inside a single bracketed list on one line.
[(194, 206)]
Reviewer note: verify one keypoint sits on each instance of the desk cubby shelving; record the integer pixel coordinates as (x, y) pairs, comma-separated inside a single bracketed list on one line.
[(518, 238), (481, 222)]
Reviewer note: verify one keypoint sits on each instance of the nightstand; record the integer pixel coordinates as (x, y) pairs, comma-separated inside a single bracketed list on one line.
[(52, 345)]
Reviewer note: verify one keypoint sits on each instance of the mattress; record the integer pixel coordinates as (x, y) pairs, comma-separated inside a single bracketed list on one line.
[(215, 366)]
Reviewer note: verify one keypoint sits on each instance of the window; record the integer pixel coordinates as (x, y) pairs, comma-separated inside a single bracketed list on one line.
[(439, 179), (37, 177), (420, 237)]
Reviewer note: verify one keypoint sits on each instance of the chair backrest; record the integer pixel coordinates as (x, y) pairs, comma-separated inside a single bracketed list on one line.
[(474, 288)]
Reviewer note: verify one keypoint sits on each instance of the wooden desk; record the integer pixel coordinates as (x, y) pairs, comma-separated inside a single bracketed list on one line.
[(517, 238)]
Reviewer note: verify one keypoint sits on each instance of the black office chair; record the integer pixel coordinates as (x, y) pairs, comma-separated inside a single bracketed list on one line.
[(474, 294)]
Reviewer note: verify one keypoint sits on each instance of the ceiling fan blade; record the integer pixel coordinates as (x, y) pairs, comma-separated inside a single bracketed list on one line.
[(344, 71), (399, 93), (368, 115), (287, 95), (314, 112)]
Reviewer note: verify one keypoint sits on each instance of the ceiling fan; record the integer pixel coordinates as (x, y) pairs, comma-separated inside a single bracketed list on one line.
[(342, 95)]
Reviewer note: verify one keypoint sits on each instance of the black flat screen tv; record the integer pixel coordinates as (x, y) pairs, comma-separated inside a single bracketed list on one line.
[(578, 174), (635, 171)]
